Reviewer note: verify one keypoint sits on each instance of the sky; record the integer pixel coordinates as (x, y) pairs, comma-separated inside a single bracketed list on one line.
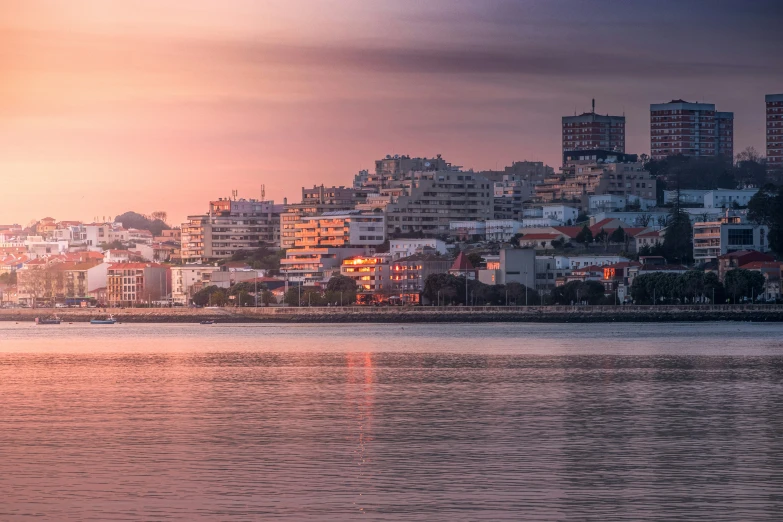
[(153, 105)]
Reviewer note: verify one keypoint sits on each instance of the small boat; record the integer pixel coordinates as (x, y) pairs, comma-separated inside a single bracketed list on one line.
[(51, 320), (108, 320), (207, 321)]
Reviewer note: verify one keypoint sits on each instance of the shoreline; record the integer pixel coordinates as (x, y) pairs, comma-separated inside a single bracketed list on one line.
[(362, 314)]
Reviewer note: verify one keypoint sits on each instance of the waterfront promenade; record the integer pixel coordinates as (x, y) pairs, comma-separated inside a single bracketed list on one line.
[(431, 314)]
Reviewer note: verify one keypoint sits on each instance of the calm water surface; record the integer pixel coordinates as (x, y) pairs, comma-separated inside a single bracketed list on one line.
[(390, 422)]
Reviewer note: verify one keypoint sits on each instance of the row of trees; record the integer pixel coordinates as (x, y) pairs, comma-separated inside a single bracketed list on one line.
[(339, 291), (696, 286), (239, 294), (262, 258), (708, 173), (155, 223), (448, 289)]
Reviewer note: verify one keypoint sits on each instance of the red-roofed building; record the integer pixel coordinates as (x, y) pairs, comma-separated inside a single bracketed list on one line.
[(771, 270), (541, 241), (46, 227), (648, 238), (463, 267), (739, 258)]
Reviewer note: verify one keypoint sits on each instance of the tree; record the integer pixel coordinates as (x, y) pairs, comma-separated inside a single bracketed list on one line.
[(114, 245), (602, 237), (444, 287), (267, 297), (766, 208), (584, 236), (291, 297), (475, 259), (591, 292), (678, 240), (751, 168), (618, 235), (9, 278), (692, 286), (644, 220), (206, 296), (713, 288), (341, 289), (136, 220), (742, 283), (219, 298)]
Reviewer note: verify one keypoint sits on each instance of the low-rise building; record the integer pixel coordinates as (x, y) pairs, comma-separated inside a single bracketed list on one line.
[(565, 214), (771, 270), (400, 248), (516, 265), (371, 273), (186, 280), (131, 284), (713, 239), (740, 258), (408, 274), (649, 239), (724, 198), (541, 240), (311, 266), (468, 230), (501, 229)]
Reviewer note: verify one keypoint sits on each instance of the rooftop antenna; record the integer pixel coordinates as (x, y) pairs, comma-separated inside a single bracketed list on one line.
[(234, 194), (593, 105), (263, 192)]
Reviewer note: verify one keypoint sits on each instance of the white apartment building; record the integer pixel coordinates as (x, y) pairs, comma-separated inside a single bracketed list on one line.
[(468, 229), (712, 239), (400, 248), (96, 234), (539, 222), (230, 225), (723, 198), (606, 203), (687, 196), (188, 279), (501, 229), (561, 213)]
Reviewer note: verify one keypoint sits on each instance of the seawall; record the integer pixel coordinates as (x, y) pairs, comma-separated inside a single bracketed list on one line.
[(366, 314)]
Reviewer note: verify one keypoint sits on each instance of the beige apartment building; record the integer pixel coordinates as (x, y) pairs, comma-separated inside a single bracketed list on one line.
[(336, 229), (316, 201), (186, 280), (135, 283), (589, 174), (371, 273), (230, 225), (432, 199)]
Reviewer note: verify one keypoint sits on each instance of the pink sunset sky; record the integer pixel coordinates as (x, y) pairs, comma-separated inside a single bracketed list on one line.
[(108, 106)]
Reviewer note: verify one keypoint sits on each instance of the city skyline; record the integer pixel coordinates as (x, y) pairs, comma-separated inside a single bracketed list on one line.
[(158, 107)]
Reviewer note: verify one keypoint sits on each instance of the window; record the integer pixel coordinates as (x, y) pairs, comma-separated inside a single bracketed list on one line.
[(741, 236)]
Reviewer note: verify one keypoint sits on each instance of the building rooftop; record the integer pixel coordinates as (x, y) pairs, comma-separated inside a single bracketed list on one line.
[(462, 263)]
